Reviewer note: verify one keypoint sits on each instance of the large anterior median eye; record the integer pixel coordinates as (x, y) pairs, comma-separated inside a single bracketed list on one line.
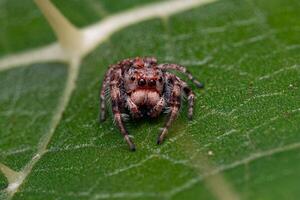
[(132, 78)]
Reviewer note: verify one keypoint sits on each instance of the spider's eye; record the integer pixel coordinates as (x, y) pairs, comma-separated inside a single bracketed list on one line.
[(132, 78), (160, 79)]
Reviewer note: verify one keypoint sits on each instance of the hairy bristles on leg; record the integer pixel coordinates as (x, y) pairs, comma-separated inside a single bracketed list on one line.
[(190, 97), (103, 94), (183, 70), (167, 109), (107, 92), (102, 100), (125, 117), (172, 117), (191, 106), (174, 102), (115, 99)]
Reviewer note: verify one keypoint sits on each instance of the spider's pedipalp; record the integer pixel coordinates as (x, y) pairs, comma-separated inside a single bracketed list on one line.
[(156, 110), (134, 111), (183, 70)]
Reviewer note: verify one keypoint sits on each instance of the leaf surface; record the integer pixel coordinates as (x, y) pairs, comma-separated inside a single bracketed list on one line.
[(246, 123)]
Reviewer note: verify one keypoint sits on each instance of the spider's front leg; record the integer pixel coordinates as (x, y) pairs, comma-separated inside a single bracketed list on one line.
[(174, 102), (115, 100)]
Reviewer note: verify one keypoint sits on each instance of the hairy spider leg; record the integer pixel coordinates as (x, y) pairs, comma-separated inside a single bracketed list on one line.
[(174, 103), (115, 100), (191, 98), (102, 107), (104, 86), (183, 70)]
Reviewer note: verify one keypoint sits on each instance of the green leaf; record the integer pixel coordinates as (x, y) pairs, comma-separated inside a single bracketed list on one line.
[(243, 141)]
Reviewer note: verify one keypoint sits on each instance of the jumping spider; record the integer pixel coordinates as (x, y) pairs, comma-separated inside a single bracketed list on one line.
[(144, 88)]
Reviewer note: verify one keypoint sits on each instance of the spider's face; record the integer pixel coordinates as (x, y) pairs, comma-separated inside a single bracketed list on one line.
[(144, 75)]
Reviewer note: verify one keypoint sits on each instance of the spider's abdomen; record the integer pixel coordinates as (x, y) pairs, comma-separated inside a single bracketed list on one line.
[(144, 97)]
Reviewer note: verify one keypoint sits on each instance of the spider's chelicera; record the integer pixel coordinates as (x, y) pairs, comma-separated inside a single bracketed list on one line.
[(144, 88)]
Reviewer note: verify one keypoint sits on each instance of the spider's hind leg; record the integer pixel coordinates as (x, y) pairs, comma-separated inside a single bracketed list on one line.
[(183, 70)]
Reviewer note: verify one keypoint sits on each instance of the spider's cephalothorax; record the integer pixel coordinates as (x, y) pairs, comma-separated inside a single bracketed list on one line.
[(144, 88)]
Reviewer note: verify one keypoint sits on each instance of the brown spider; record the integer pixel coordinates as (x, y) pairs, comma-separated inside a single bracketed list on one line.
[(144, 89)]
